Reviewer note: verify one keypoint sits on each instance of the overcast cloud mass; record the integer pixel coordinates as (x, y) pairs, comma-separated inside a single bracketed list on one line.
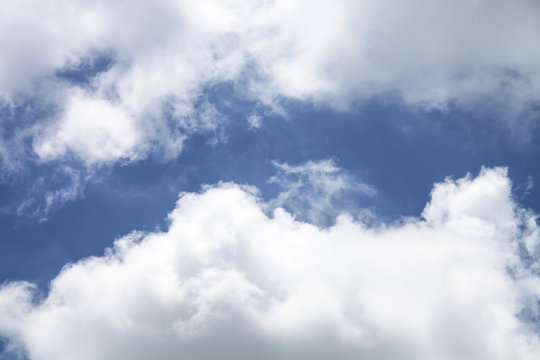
[(343, 179)]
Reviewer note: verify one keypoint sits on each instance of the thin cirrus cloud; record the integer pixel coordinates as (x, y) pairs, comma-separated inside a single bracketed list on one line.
[(164, 55), (227, 280), (317, 191)]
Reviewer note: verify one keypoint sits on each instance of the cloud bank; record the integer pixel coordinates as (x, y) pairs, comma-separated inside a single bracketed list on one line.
[(227, 280), (163, 56)]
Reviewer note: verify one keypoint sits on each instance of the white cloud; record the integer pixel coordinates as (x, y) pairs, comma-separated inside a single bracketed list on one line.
[(480, 56), (225, 280), (94, 130)]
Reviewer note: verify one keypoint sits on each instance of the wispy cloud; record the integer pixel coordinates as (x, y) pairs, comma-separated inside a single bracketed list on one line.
[(318, 191), (44, 195)]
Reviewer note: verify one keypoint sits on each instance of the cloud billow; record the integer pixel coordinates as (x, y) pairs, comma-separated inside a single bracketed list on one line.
[(226, 280), (163, 56)]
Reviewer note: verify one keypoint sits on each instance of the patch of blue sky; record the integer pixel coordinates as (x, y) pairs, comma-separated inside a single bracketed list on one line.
[(399, 152), (85, 71)]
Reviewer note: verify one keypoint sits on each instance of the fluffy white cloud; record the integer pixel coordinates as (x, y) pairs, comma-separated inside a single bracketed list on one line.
[(226, 280), (94, 130), (476, 55)]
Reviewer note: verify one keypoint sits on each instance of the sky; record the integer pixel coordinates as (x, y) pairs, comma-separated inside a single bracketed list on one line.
[(269, 179)]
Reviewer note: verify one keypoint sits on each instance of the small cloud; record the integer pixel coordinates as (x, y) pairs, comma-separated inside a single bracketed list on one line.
[(254, 121), (318, 191), (528, 186)]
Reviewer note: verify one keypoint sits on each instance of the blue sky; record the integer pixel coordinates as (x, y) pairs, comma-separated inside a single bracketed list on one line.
[(398, 152), (362, 188)]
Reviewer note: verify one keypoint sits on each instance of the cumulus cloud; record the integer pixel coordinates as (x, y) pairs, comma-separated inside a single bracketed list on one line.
[(226, 280), (164, 55), (94, 130)]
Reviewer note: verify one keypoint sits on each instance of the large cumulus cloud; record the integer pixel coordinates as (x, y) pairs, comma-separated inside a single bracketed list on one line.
[(165, 54), (228, 280)]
